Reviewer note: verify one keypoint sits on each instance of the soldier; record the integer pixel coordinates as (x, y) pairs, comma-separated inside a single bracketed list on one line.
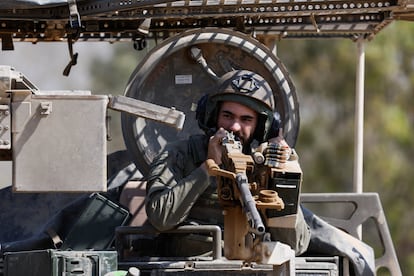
[(180, 190)]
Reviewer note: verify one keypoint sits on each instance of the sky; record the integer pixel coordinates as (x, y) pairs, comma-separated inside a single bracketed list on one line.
[(43, 64)]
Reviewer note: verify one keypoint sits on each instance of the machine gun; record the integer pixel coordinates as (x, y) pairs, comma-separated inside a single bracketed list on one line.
[(249, 196)]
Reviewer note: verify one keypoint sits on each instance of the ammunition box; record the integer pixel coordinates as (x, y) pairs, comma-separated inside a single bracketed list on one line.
[(287, 183), (95, 227), (60, 263), (304, 266), (288, 190), (58, 142)]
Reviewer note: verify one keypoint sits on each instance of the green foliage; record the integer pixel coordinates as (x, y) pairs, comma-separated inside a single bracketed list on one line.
[(324, 72), (111, 76)]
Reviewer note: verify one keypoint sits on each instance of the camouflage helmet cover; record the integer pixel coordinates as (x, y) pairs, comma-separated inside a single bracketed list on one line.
[(244, 87)]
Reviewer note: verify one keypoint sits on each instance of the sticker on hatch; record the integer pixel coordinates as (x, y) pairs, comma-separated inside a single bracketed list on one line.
[(183, 79)]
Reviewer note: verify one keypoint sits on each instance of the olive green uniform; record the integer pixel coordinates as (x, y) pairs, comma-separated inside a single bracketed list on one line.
[(179, 191)]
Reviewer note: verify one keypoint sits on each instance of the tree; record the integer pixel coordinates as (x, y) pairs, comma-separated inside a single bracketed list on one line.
[(324, 73)]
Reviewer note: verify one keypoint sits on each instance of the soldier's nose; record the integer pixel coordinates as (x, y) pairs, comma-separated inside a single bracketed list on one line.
[(235, 127)]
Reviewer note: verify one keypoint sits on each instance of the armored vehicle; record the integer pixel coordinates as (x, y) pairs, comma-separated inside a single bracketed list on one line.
[(60, 159)]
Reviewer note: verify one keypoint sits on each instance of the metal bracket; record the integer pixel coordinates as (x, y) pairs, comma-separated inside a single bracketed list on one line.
[(169, 116), (45, 108), (5, 134), (73, 57), (74, 17), (6, 42), (75, 24), (367, 205)]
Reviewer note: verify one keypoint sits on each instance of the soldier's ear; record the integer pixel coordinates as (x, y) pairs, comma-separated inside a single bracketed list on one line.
[(275, 126), (201, 112)]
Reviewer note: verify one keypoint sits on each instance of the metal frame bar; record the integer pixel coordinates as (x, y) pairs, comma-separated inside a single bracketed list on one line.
[(359, 118), (367, 206)]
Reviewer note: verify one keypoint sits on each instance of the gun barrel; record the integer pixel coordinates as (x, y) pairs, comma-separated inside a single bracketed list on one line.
[(249, 204)]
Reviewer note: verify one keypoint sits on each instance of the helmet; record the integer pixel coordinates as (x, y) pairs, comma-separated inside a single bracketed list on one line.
[(244, 87)]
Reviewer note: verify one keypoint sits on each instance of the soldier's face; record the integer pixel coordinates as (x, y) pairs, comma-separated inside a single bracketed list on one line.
[(239, 119)]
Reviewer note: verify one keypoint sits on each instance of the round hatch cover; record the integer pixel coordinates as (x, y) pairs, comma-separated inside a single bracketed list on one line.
[(170, 76)]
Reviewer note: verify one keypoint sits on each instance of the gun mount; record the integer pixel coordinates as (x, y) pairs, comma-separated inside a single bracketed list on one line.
[(244, 189)]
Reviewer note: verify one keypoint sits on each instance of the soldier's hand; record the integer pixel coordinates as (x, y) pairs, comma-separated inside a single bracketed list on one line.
[(215, 149)]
